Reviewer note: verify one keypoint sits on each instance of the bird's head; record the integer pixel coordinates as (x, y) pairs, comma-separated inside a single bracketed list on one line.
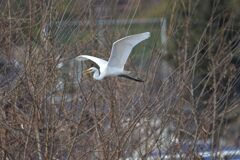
[(90, 70), (95, 71)]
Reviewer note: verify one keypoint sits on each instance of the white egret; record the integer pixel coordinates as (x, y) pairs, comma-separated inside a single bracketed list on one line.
[(121, 50)]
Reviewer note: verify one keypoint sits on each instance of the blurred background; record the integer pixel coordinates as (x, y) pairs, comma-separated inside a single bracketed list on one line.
[(187, 108)]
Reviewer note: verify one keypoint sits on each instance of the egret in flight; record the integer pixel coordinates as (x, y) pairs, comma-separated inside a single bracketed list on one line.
[(121, 50)]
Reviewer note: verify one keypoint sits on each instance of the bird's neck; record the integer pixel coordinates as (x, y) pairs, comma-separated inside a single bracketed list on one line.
[(96, 74)]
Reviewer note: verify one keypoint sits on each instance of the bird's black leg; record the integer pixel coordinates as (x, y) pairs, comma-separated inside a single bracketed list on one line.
[(131, 78)]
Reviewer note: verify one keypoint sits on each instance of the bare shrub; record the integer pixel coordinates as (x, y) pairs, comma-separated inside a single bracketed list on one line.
[(50, 111)]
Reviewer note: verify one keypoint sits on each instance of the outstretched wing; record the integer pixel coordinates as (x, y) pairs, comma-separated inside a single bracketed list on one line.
[(98, 61), (122, 48)]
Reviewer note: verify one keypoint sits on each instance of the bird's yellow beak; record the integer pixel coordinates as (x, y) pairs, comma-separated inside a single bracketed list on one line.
[(88, 71)]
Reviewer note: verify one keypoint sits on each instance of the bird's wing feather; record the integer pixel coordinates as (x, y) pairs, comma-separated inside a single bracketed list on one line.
[(98, 61), (122, 48)]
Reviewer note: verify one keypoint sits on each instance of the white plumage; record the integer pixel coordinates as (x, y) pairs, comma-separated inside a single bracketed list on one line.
[(121, 50)]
